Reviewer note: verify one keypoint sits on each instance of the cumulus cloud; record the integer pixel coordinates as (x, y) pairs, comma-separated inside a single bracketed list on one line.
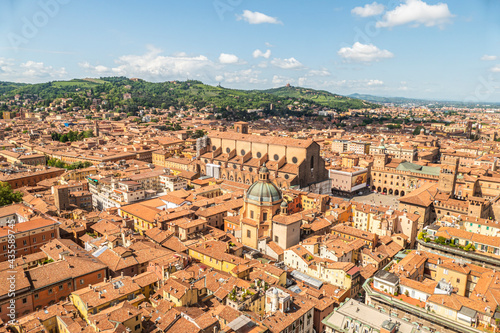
[(319, 72), (364, 53), (258, 53), (365, 84), (489, 57), (226, 58), (290, 63), (279, 80), (495, 69), (417, 12), (98, 69), (375, 83), (29, 71), (155, 66), (368, 10), (257, 18), (32, 69), (242, 76)]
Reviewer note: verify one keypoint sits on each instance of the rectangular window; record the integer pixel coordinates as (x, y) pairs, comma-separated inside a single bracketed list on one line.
[(50, 291), (249, 233), (36, 296)]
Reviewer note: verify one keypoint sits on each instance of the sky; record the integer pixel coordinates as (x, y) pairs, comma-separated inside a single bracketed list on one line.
[(445, 50)]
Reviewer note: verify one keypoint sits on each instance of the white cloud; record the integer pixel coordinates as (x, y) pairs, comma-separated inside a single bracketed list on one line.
[(269, 44), (154, 66), (6, 66), (351, 85), (302, 81), (364, 53), (257, 18), (290, 63), (375, 83), (319, 72), (29, 71), (226, 58), (489, 57), (32, 70), (242, 76), (99, 69), (417, 12), (279, 80), (258, 53), (369, 10), (495, 69)]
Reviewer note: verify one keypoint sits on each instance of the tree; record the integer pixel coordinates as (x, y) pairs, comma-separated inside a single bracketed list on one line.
[(7, 196), (417, 130)]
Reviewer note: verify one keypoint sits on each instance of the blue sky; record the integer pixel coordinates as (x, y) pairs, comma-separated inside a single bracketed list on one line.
[(412, 48)]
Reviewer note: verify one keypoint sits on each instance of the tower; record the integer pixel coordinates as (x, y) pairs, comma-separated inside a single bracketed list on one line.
[(380, 160), (448, 177), (96, 129), (61, 198), (241, 127)]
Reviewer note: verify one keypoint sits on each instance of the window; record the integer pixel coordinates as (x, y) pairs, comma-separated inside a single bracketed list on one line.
[(138, 326), (81, 281), (50, 291), (34, 239), (276, 239), (25, 300), (445, 271), (36, 296), (251, 214), (99, 275), (264, 216), (61, 287), (249, 233)]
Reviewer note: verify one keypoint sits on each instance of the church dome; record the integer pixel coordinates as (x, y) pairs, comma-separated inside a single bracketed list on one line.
[(264, 190)]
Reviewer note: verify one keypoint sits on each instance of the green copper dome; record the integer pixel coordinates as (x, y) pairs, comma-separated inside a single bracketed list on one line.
[(263, 191)]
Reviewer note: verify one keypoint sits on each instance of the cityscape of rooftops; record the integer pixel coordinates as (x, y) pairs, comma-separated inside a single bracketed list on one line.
[(231, 166)]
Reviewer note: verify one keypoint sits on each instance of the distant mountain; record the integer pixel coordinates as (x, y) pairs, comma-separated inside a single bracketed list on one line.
[(395, 100), (419, 101), (178, 93)]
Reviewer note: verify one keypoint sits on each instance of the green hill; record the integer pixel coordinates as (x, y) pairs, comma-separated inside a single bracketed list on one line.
[(320, 97), (177, 93)]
